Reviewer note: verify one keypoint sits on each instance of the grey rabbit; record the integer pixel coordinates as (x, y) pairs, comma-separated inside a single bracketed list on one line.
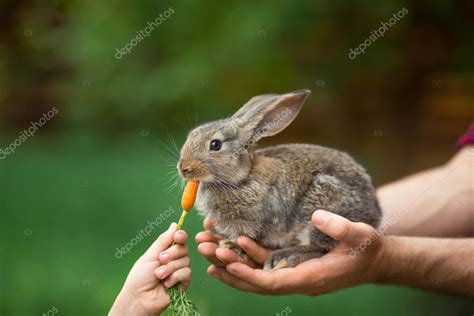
[(270, 194)]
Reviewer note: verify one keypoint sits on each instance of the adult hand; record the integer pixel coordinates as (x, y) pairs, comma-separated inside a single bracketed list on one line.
[(208, 246), (160, 267), (353, 261)]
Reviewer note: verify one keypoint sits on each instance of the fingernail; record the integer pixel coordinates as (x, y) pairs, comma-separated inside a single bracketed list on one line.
[(172, 225), (165, 257), (161, 273), (320, 217), (167, 283)]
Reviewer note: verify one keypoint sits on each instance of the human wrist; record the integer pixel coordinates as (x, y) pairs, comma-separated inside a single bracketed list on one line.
[(405, 260), (385, 271), (126, 304)]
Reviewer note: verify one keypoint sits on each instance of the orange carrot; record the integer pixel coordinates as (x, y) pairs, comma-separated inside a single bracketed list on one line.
[(187, 201), (189, 195)]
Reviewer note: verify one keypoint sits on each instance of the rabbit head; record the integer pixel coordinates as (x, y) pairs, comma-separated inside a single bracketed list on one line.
[(221, 151)]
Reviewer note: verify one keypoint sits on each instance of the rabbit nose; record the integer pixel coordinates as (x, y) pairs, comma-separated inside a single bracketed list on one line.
[(184, 168)]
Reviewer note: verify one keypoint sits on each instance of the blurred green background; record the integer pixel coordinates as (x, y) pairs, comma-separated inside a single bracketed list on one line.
[(98, 170)]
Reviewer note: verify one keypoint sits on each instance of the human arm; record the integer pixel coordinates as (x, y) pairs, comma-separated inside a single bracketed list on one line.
[(440, 264), (435, 203)]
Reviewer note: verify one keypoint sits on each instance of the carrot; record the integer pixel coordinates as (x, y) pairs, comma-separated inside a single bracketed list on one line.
[(180, 304), (189, 195), (187, 201)]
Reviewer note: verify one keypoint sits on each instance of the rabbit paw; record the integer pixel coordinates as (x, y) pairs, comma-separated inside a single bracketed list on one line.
[(291, 257), (282, 259), (232, 245)]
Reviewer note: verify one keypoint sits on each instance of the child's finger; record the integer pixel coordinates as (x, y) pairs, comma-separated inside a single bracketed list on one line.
[(173, 253), (162, 243), (185, 283), (167, 269), (182, 275), (180, 237)]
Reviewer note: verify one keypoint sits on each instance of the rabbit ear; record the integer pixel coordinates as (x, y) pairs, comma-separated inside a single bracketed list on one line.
[(253, 103), (267, 115)]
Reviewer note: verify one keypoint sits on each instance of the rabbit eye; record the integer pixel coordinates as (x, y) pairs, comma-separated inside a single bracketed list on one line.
[(215, 144)]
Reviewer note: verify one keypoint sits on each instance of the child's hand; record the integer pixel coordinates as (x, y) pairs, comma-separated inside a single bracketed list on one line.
[(144, 293)]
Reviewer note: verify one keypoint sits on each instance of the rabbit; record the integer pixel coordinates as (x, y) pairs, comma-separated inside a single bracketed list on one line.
[(270, 194)]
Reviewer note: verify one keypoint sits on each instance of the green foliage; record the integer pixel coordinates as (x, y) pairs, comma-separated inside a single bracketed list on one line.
[(206, 55)]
